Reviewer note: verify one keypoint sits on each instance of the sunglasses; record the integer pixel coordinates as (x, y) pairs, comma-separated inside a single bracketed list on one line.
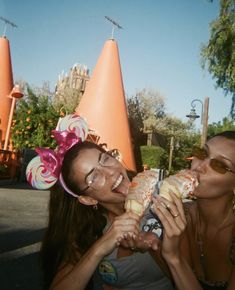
[(215, 164)]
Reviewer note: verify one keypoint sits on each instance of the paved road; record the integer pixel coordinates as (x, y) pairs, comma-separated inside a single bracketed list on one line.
[(23, 218)]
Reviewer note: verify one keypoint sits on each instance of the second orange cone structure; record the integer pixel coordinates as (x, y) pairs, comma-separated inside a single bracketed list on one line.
[(103, 104)]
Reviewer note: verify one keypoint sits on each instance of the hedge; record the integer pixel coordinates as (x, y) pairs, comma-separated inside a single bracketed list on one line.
[(151, 156)]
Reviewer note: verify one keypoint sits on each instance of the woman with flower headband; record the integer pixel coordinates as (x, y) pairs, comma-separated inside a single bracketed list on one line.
[(88, 232), (201, 255)]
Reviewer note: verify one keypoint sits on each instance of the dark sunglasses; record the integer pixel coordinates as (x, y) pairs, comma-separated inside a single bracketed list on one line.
[(215, 164)]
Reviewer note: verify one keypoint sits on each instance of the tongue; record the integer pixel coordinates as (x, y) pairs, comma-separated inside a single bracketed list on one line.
[(122, 188)]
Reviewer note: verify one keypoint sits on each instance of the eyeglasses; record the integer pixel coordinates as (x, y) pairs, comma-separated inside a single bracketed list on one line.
[(215, 164), (96, 178)]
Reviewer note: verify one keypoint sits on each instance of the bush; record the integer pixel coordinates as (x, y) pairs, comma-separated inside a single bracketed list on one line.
[(151, 156)]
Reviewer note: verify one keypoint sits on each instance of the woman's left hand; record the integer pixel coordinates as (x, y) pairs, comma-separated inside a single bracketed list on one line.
[(171, 214)]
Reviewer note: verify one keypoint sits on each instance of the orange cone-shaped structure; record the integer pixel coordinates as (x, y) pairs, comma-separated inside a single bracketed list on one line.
[(6, 84), (103, 104)]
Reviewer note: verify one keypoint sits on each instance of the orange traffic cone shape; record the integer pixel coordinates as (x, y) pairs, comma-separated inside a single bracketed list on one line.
[(103, 104), (6, 84)]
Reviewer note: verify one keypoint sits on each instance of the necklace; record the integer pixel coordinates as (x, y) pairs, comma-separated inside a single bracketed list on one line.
[(201, 241)]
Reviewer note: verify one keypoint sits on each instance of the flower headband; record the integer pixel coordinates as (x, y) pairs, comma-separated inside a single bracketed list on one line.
[(44, 171)]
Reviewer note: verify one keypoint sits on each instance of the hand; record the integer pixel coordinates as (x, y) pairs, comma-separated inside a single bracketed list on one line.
[(173, 219), (142, 243), (124, 227)]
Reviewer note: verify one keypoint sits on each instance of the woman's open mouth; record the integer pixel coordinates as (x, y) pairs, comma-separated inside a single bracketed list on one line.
[(117, 182), (121, 185)]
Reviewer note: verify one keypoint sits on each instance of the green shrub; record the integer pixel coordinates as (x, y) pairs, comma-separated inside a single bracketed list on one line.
[(151, 156)]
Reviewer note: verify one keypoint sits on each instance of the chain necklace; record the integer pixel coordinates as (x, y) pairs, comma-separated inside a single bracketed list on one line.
[(200, 242)]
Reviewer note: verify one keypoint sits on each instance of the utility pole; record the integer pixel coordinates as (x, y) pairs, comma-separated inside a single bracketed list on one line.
[(205, 121), (171, 153)]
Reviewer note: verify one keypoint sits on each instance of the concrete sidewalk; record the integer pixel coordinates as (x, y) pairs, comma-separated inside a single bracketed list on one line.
[(23, 219)]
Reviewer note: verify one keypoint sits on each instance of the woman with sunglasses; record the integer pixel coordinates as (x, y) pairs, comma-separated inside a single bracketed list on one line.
[(201, 255), (89, 240)]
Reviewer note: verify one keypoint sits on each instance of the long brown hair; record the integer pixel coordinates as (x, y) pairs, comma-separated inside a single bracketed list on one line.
[(72, 226)]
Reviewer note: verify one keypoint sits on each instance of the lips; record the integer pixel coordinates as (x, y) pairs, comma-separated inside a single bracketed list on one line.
[(121, 185)]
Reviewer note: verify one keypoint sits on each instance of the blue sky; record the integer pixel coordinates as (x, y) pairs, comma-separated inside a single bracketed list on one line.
[(159, 46)]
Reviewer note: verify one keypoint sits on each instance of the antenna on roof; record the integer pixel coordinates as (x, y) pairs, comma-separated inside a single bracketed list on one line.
[(115, 24), (7, 22)]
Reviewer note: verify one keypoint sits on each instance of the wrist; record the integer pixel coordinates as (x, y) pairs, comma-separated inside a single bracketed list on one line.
[(172, 260), (99, 249)]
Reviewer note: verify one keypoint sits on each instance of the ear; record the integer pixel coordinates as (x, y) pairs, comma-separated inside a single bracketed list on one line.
[(87, 200)]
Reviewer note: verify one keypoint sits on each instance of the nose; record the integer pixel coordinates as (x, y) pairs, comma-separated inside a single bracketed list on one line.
[(200, 166)]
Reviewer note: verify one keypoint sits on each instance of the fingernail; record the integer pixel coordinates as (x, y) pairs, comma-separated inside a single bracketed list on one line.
[(154, 247)]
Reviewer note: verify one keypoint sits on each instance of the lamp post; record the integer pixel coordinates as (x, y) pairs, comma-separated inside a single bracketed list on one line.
[(15, 94), (171, 153), (204, 117)]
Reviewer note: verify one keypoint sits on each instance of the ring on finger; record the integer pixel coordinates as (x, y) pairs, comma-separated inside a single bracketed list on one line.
[(175, 215), (168, 206)]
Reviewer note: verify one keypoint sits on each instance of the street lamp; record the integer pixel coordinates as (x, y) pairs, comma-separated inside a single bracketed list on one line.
[(193, 115), (15, 94), (204, 117)]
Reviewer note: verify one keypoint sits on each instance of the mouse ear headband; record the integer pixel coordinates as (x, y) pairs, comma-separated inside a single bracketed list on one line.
[(44, 170)]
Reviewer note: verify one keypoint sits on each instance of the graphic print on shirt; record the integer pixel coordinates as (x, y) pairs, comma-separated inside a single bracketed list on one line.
[(108, 272)]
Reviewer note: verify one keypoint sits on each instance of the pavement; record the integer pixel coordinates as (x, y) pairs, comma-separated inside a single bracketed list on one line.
[(23, 219)]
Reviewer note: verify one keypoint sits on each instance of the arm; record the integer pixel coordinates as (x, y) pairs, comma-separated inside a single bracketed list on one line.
[(174, 230), (231, 283), (76, 277)]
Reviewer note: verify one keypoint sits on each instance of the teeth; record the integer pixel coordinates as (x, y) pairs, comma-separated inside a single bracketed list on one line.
[(118, 181)]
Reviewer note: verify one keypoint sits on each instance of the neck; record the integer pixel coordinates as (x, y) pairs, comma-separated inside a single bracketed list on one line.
[(213, 211)]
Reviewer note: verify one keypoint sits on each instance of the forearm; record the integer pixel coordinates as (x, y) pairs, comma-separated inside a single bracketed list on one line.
[(78, 276), (183, 275)]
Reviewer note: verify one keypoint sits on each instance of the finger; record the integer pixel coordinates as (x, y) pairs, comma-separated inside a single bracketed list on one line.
[(127, 221), (129, 215), (171, 227), (169, 205), (179, 205), (130, 231), (168, 230), (147, 240), (131, 244), (169, 223)]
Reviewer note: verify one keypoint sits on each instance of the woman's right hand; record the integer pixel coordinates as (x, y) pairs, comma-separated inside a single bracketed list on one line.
[(173, 219), (123, 226)]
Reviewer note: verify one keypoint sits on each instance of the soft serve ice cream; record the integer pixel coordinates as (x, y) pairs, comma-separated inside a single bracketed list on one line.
[(140, 192), (146, 184), (182, 184)]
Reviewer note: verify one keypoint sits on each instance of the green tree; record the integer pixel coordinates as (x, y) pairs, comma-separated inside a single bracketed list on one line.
[(143, 109), (218, 55), (227, 124), (185, 137), (33, 121), (147, 114)]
